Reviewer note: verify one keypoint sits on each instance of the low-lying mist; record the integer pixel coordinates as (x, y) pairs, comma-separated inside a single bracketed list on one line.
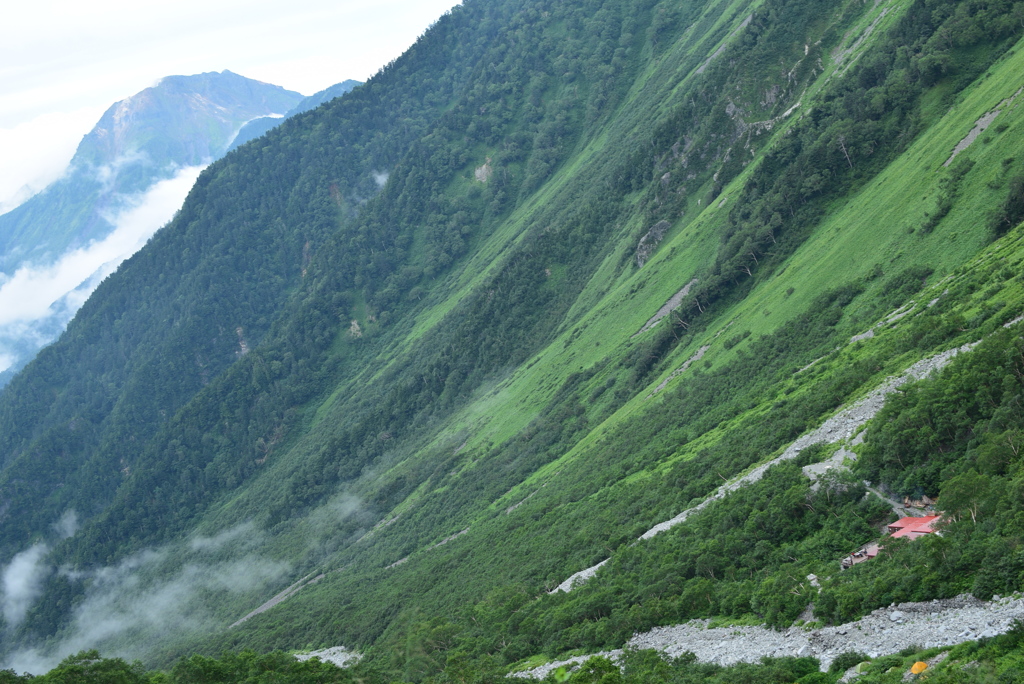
[(147, 600), (38, 300), (151, 599)]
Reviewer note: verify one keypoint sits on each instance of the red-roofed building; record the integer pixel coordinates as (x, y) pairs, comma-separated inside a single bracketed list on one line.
[(908, 528), (912, 528), (866, 553)]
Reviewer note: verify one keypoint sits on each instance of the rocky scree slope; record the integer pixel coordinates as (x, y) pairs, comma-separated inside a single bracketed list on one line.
[(884, 631)]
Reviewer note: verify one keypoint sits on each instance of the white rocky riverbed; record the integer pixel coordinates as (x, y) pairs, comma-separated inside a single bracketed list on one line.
[(885, 631), (339, 655)]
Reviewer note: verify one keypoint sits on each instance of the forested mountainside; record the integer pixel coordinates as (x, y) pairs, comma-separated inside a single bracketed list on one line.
[(407, 362)]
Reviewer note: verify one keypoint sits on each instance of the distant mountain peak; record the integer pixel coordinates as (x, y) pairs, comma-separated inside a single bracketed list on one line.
[(170, 128), (184, 120)]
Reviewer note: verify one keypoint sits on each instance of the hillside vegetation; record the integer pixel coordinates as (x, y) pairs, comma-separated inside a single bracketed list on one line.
[(404, 364)]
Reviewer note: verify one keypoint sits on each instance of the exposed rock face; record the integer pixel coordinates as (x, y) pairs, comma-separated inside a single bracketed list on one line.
[(339, 655), (649, 242), (482, 174), (673, 302), (184, 120), (579, 578)]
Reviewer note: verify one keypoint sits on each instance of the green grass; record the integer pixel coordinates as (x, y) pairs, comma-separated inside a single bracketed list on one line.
[(588, 504)]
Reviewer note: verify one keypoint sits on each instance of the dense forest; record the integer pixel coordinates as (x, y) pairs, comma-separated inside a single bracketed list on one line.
[(405, 363)]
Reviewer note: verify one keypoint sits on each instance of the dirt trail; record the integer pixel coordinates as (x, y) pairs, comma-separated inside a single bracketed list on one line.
[(725, 44), (981, 125), (286, 594), (697, 356), (839, 55)]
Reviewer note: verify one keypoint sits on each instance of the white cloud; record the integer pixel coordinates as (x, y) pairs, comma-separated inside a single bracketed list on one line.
[(31, 292), (38, 301), (245, 531), (37, 152), (73, 57), (55, 51), (67, 525), (125, 604), (22, 583), (107, 174), (147, 599)]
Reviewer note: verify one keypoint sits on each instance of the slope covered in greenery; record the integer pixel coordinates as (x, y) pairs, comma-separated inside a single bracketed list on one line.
[(401, 358)]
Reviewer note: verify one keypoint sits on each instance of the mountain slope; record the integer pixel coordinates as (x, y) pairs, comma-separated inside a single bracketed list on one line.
[(182, 121), (406, 359), (258, 127), (127, 177)]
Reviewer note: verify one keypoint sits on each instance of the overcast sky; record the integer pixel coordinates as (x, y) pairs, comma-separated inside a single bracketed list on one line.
[(63, 62)]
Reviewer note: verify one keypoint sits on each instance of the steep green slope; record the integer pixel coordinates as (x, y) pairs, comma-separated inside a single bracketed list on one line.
[(184, 310), (427, 404)]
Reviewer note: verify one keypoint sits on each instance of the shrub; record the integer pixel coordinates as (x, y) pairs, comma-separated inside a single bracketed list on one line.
[(844, 661)]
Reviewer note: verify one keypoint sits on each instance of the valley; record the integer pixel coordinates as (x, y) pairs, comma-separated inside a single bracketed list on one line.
[(570, 290)]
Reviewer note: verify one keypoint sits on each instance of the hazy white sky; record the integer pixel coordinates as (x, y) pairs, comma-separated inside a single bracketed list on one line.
[(63, 62)]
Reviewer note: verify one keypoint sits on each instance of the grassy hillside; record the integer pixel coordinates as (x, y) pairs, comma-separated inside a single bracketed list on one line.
[(409, 356)]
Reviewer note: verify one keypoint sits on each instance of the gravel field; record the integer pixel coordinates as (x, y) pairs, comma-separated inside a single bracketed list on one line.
[(339, 655), (883, 632)]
